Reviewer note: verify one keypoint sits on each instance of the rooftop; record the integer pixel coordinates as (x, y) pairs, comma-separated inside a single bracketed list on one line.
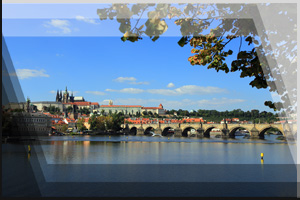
[(115, 106)]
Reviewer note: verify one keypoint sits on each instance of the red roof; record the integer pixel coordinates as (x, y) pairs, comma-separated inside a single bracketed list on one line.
[(113, 106), (85, 103), (59, 122), (151, 108), (70, 120)]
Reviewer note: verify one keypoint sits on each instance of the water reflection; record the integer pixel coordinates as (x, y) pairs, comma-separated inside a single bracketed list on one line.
[(119, 151)]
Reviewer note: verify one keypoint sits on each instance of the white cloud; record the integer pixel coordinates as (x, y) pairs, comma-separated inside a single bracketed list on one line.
[(170, 85), (95, 92), (139, 83), (28, 73), (63, 25), (188, 89), (130, 80), (104, 102), (87, 20), (184, 90), (53, 91), (221, 101), (74, 92), (127, 90), (123, 79)]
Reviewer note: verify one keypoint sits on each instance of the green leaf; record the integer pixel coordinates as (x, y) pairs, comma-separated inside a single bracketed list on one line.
[(155, 38), (183, 41)]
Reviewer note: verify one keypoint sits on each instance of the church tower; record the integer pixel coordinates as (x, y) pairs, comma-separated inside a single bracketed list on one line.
[(66, 96), (72, 97), (60, 97), (57, 96)]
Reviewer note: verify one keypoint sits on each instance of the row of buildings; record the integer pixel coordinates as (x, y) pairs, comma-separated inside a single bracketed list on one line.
[(129, 109)]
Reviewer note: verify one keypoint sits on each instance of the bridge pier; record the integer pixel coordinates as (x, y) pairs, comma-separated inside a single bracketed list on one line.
[(254, 133), (177, 132), (158, 131), (140, 131), (126, 129), (200, 133), (225, 133)]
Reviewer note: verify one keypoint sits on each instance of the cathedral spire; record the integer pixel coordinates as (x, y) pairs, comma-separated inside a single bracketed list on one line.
[(57, 96)]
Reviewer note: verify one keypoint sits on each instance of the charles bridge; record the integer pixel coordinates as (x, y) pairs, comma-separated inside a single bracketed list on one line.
[(203, 130)]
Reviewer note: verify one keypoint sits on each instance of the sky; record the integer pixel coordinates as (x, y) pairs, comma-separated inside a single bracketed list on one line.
[(87, 55)]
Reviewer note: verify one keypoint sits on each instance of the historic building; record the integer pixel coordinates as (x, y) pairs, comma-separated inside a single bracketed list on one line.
[(158, 110), (128, 109), (30, 124)]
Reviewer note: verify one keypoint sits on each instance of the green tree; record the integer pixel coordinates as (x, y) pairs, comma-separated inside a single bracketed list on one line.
[(69, 109), (138, 114), (80, 125), (150, 113), (64, 128), (93, 122)]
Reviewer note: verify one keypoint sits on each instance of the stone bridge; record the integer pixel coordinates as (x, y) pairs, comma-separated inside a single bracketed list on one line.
[(203, 130)]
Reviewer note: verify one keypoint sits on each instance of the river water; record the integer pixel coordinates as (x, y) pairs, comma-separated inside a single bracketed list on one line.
[(148, 166)]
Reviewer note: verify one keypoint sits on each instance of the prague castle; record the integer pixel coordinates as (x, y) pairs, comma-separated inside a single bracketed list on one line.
[(62, 101), (67, 98)]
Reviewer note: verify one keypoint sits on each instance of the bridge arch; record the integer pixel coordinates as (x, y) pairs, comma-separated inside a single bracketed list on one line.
[(207, 131), (148, 129), (133, 131), (186, 130), (264, 130), (234, 129), (166, 132)]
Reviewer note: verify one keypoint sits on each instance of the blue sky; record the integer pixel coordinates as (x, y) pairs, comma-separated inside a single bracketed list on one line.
[(80, 54)]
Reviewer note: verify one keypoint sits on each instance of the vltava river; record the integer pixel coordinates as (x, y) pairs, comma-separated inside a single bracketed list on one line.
[(149, 166)]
